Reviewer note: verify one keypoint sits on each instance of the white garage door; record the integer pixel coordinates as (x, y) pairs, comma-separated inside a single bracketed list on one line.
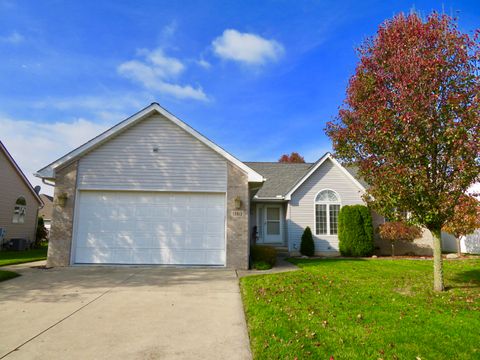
[(150, 228)]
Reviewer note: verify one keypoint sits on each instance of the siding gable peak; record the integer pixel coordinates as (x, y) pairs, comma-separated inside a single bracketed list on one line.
[(313, 169), (48, 172)]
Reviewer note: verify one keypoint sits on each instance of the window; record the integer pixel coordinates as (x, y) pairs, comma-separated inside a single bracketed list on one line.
[(19, 211), (327, 206)]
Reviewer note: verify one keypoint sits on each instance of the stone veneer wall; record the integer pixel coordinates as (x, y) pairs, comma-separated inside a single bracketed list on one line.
[(238, 248), (59, 247)]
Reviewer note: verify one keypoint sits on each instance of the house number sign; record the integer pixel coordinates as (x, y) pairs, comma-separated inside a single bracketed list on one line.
[(237, 213)]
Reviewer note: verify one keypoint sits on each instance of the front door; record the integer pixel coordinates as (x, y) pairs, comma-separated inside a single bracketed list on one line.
[(270, 221)]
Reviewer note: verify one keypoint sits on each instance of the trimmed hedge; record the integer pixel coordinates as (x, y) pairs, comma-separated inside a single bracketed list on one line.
[(355, 231), (263, 253), (307, 246)]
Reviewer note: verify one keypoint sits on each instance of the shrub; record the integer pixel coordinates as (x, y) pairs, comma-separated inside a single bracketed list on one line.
[(394, 231), (307, 246), (261, 265), (355, 231), (42, 232), (262, 253)]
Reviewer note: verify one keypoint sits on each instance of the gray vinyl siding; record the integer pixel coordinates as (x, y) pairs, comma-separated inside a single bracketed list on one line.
[(12, 186), (302, 210), (128, 162)]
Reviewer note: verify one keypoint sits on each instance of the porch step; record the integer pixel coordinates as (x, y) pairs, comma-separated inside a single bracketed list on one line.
[(282, 251)]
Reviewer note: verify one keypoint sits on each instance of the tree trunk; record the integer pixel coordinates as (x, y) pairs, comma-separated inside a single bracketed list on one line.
[(437, 260), (393, 249), (459, 250)]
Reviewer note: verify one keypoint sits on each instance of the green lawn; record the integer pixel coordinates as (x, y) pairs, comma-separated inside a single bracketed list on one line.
[(5, 275), (18, 257), (364, 309)]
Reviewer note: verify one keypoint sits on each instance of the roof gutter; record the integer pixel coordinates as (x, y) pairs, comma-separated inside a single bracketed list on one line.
[(46, 182), (275, 198)]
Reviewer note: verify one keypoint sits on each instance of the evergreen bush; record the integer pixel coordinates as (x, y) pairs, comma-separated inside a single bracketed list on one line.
[(355, 231), (307, 246)]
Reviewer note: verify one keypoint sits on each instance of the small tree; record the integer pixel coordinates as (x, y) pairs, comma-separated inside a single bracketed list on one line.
[(465, 220), (294, 157), (42, 232), (410, 121), (394, 231), (355, 231), (307, 246)]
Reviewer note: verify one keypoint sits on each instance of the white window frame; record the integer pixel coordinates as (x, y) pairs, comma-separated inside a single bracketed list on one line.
[(327, 203), (19, 211)]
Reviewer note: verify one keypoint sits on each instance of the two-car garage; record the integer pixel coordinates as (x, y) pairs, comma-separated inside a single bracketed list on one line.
[(132, 227), (150, 190)]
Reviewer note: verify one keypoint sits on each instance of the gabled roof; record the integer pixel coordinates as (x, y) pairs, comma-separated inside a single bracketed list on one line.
[(47, 209), (48, 172), (20, 172), (315, 166), (280, 177)]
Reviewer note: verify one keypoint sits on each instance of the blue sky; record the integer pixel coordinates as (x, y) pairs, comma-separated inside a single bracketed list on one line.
[(258, 78)]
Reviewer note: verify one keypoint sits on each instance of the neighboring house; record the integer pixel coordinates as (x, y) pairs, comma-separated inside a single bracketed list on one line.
[(47, 210), (19, 203), (152, 190)]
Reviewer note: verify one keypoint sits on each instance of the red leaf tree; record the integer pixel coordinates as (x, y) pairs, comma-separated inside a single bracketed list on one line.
[(411, 120), (294, 157), (395, 231), (465, 220)]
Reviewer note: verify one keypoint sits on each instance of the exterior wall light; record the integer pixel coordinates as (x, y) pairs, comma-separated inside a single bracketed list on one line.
[(238, 203), (62, 199)]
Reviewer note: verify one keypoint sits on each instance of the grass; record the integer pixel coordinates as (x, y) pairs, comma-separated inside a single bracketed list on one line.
[(5, 275), (364, 309), (19, 257)]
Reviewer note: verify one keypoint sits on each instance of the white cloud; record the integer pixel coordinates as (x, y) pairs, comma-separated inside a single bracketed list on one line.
[(13, 38), (246, 48), (111, 102), (36, 144), (204, 64), (156, 73), (169, 30)]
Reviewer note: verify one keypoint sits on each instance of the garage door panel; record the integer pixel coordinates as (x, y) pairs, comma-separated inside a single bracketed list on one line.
[(150, 228), (95, 255)]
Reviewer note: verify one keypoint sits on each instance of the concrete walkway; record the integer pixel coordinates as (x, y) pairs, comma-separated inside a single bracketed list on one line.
[(122, 313)]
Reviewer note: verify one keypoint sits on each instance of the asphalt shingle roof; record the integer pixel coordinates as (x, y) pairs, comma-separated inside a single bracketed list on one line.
[(353, 170), (281, 177)]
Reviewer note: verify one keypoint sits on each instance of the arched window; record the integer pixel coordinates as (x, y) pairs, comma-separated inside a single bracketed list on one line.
[(327, 206), (19, 211)]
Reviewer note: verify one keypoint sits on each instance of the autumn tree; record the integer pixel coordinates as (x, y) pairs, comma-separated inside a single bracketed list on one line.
[(465, 220), (395, 231), (411, 120), (294, 157)]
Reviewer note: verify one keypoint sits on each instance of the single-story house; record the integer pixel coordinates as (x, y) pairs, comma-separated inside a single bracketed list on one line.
[(19, 202), (152, 190)]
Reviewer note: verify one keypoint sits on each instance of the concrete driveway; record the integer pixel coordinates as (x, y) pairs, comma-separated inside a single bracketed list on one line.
[(122, 313)]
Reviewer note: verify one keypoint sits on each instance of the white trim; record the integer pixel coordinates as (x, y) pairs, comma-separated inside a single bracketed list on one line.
[(48, 172), (20, 172), (263, 221), (314, 168), (327, 203), (159, 190)]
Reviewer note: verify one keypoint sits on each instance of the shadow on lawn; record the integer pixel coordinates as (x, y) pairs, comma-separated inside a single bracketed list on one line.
[(467, 279)]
